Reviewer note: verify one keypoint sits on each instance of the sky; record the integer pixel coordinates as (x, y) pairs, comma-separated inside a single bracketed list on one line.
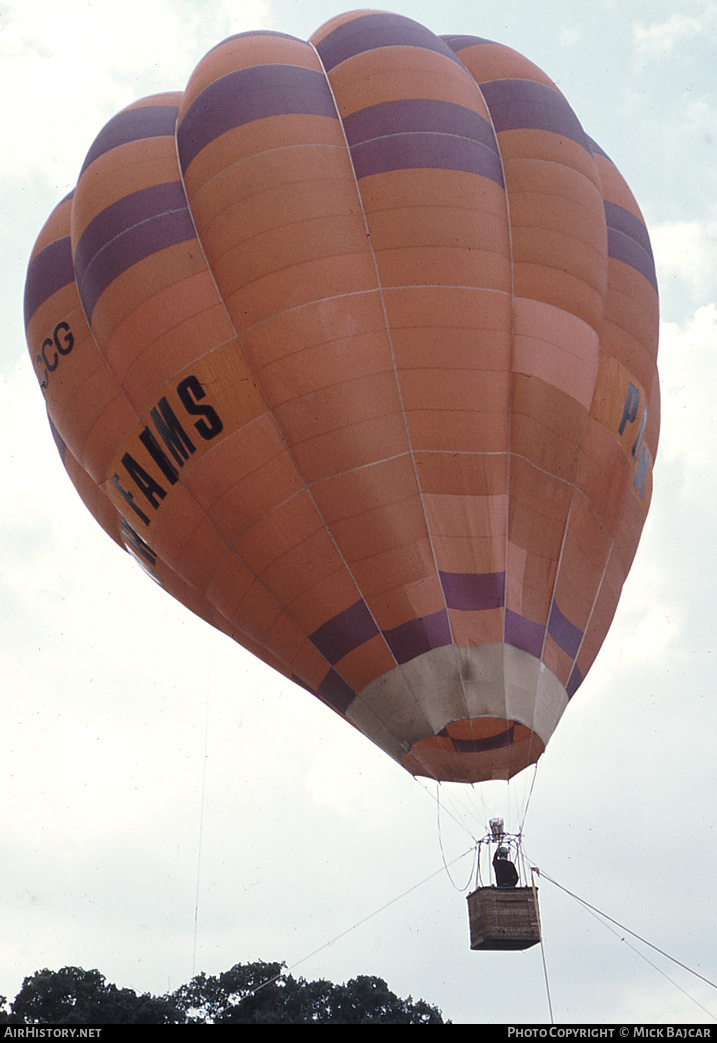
[(168, 805)]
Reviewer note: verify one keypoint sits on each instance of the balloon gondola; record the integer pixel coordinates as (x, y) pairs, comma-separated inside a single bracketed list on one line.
[(503, 915), (352, 345)]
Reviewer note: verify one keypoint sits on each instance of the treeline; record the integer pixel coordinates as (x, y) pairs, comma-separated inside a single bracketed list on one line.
[(247, 994)]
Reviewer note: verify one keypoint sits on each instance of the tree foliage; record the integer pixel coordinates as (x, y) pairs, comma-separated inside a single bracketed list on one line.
[(264, 994), (73, 996), (248, 994)]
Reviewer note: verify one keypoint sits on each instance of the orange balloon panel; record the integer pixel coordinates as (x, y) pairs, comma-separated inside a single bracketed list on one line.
[(352, 345)]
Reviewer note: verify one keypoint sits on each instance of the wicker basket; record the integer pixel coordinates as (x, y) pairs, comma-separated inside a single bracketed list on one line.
[(503, 918)]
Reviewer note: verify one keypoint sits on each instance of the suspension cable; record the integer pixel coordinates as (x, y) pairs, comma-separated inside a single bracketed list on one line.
[(623, 928), (370, 916), (440, 844), (542, 944), (527, 802), (447, 810), (201, 817), (359, 923), (599, 918), (598, 913)]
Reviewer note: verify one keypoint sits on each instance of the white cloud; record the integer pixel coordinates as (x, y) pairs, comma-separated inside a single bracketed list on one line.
[(65, 69), (655, 41), (689, 428), (686, 251), (569, 36)]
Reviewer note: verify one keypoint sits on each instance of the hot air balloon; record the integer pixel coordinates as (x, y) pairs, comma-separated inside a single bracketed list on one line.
[(352, 345)]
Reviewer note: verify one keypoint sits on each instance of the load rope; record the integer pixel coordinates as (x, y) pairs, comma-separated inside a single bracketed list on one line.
[(604, 916), (623, 928)]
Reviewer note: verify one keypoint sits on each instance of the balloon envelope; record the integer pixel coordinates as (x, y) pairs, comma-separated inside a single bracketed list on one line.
[(352, 345)]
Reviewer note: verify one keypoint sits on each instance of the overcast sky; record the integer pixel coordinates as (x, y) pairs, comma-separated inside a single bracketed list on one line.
[(168, 805)]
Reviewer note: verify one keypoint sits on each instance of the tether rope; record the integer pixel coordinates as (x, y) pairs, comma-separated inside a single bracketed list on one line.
[(542, 943), (201, 820), (654, 966), (604, 916), (376, 912), (623, 928), (545, 876), (527, 799), (359, 923), (443, 854)]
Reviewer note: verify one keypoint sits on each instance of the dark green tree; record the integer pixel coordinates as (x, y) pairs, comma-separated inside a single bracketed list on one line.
[(206, 999), (264, 994), (73, 996), (248, 994), (6, 1018), (369, 1001)]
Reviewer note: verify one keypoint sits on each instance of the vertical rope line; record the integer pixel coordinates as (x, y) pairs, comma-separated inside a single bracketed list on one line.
[(527, 801), (201, 823), (440, 844), (533, 871)]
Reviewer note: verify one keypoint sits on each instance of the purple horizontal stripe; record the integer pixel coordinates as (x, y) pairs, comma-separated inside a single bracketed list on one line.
[(132, 246), (621, 220), (123, 214), (625, 249), (464, 135), (574, 681), (253, 32), (527, 105), (295, 677), (59, 442), (522, 633), (49, 271), (417, 636), (344, 632), (418, 114), (459, 43), (147, 121), (337, 692), (377, 30), (565, 634), (251, 94), (628, 241), (474, 592), (490, 742), (425, 151), (597, 151)]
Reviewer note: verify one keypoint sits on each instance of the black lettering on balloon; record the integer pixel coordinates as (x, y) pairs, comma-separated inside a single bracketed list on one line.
[(171, 432), (640, 432), (62, 342), (169, 446), (66, 344), (639, 451), (159, 456), (51, 365), (643, 465), (191, 393), (629, 411), (140, 547), (144, 481), (129, 498)]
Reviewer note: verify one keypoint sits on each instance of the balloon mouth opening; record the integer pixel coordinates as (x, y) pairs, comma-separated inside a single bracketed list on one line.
[(475, 750)]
